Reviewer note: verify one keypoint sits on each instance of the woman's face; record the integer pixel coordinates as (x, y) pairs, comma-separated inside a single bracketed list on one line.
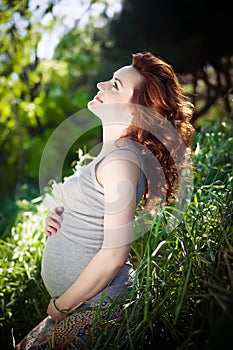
[(119, 89)]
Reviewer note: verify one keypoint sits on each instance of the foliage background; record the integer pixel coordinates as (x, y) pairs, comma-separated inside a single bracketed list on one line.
[(191, 295)]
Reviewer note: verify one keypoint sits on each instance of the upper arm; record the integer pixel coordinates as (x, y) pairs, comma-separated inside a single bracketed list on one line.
[(119, 174)]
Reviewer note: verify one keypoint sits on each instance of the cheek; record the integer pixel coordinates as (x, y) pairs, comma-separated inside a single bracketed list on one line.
[(128, 95), (126, 98)]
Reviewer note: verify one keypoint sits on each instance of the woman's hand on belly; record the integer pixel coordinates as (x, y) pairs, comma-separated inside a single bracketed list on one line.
[(53, 221)]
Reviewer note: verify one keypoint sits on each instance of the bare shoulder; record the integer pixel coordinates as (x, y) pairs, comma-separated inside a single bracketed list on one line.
[(120, 154)]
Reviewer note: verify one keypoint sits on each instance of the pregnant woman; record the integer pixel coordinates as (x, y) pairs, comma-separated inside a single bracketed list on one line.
[(86, 263)]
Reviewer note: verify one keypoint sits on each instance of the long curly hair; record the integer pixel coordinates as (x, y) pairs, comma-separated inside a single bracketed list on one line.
[(161, 126)]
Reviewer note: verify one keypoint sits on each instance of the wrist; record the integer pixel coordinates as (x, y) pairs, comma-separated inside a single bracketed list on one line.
[(59, 308)]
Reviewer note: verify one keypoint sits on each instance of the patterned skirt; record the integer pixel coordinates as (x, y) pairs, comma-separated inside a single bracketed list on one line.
[(84, 324)]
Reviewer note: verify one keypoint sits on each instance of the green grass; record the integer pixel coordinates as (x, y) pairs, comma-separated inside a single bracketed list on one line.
[(183, 292)]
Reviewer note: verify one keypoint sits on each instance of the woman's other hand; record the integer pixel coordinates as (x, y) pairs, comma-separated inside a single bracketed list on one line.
[(54, 314), (53, 221)]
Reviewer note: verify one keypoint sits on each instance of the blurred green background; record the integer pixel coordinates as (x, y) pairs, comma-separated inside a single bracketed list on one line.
[(52, 54)]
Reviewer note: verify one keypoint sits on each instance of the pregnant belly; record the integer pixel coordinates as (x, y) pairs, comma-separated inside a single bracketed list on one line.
[(62, 262)]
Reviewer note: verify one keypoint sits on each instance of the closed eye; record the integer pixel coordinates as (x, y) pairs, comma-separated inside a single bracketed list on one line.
[(115, 85)]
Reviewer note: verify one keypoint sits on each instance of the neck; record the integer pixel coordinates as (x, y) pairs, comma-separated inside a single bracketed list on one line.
[(112, 131)]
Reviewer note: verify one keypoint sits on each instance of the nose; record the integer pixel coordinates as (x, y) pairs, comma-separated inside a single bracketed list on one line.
[(101, 86)]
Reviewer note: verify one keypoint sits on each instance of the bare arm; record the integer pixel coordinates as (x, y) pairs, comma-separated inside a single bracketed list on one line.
[(119, 179)]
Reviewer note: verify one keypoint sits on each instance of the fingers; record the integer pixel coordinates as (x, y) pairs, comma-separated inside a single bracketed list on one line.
[(51, 226), (53, 221), (53, 217)]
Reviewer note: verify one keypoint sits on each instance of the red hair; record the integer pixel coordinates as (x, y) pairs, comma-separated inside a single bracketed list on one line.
[(160, 109)]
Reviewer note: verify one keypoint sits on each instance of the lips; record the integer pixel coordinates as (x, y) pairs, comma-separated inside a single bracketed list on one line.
[(97, 98)]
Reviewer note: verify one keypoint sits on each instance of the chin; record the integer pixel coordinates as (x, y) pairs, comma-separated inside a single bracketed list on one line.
[(90, 104), (94, 107)]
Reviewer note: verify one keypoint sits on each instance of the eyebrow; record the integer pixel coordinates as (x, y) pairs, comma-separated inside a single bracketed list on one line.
[(119, 81)]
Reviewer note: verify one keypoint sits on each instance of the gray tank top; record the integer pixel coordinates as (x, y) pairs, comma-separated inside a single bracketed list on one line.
[(80, 237)]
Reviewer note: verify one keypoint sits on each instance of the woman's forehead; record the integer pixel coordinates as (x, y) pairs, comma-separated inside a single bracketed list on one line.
[(128, 74)]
